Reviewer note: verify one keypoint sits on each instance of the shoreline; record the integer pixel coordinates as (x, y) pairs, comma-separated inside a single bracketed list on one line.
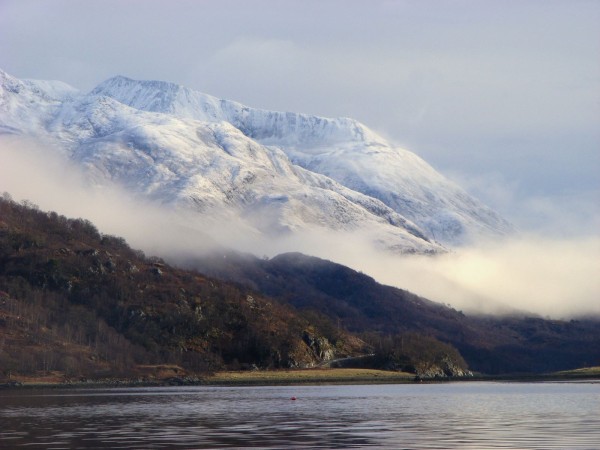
[(290, 377)]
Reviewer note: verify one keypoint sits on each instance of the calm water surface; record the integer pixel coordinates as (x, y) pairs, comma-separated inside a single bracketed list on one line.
[(431, 416)]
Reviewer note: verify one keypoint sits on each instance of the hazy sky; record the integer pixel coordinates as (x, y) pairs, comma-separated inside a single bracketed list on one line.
[(503, 96)]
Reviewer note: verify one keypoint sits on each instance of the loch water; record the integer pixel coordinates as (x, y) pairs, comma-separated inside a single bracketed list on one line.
[(465, 415)]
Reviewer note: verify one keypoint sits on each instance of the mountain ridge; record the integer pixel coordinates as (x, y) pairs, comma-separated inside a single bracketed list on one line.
[(342, 149), (280, 172)]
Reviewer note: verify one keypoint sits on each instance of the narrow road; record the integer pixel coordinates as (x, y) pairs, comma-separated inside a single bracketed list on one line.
[(344, 361)]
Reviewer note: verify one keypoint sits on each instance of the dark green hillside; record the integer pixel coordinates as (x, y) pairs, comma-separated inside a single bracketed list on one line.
[(361, 305), (79, 303), (76, 301)]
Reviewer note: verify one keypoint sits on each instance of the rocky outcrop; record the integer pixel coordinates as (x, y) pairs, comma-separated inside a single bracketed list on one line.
[(444, 368), (320, 346), (311, 351)]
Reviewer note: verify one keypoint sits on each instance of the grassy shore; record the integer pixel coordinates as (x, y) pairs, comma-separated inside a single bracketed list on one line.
[(346, 376), (174, 375), (585, 372)]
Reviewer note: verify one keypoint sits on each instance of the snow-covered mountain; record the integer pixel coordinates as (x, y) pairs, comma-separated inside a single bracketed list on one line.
[(342, 149), (280, 172)]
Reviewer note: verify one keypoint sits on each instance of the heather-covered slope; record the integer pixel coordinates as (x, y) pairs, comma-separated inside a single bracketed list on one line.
[(83, 303), (77, 301), (361, 305)]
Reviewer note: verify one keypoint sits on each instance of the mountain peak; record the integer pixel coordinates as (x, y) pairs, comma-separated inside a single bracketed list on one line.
[(176, 144), (151, 95), (123, 82), (269, 127)]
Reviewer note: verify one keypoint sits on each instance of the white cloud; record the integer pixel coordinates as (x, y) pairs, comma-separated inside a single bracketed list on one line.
[(549, 277), (36, 172), (556, 277)]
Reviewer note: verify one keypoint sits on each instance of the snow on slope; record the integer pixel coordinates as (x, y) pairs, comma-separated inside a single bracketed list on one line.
[(27, 105), (207, 166), (268, 127), (342, 149)]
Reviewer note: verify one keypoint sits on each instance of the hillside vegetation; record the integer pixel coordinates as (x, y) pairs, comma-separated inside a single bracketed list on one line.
[(383, 314), (86, 304), (77, 303)]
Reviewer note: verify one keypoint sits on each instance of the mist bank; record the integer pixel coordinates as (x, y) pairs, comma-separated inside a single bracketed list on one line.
[(528, 274), (554, 277)]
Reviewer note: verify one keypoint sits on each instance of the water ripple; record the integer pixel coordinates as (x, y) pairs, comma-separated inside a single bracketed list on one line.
[(445, 416)]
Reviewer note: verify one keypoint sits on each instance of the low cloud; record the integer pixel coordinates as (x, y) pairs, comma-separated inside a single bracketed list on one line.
[(549, 277), (555, 277), (37, 172)]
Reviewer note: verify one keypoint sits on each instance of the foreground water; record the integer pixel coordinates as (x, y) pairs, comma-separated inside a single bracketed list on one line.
[(430, 416)]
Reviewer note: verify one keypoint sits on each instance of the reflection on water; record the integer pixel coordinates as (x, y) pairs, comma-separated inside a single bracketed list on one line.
[(431, 416)]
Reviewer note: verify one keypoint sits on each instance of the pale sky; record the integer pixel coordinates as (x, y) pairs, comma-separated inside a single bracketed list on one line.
[(501, 95)]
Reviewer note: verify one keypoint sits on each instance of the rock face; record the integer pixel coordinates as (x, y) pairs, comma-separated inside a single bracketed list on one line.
[(320, 346), (281, 173), (310, 351), (444, 368)]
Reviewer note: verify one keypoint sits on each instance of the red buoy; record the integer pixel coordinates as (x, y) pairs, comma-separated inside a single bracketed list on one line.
[(293, 398)]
